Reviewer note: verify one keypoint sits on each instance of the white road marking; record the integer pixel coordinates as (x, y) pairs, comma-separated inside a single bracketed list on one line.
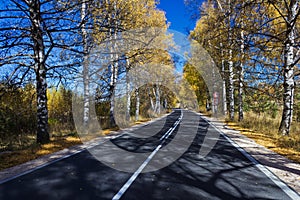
[(41, 166), (85, 147), (129, 182), (282, 185)]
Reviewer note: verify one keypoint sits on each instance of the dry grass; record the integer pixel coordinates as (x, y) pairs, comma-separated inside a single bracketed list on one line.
[(141, 121), (12, 158), (25, 151), (264, 130)]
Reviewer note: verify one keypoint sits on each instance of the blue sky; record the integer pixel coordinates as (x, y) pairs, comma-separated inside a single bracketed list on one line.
[(178, 15)]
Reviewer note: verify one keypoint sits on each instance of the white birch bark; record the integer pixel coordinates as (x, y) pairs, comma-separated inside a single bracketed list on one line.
[(151, 100), (157, 99), (165, 104), (113, 80), (231, 86), (223, 81), (40, 70), (114, 66), (288, 72), (86, 88), (128, 97), (137, 106), (214, 99), (230, 70), (241, 80)]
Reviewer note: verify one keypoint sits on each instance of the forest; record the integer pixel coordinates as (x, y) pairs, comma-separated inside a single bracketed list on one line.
[(109, 62)]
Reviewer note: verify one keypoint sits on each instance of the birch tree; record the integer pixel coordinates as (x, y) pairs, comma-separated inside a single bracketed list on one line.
[(85, 16), (290, 60), (214, 30), (38, 39), (277, 41), (123, 17)]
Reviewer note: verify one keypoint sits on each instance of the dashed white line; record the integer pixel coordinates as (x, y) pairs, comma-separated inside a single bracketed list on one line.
[(129, 182), (83, 148)]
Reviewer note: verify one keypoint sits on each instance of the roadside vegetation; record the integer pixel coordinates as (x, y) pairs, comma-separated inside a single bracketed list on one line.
[(255, 45), (44, 53), (263, 129), (17, 127), (44, 47)]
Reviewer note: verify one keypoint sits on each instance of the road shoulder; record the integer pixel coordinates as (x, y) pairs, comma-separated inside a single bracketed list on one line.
[(32, 165), (285, 169)]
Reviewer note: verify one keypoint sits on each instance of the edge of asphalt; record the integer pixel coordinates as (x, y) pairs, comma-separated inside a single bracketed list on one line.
[(285, 173), (43, 161)]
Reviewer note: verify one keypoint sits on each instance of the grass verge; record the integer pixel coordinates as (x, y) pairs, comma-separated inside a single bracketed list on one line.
[(16, 157), (27, 149), (263, 129)]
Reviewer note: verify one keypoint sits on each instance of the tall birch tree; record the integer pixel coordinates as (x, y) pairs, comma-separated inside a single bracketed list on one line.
[(38, 39), (290, 61)]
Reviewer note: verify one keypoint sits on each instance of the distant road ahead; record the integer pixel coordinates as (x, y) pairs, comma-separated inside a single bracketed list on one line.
[(224, 173)]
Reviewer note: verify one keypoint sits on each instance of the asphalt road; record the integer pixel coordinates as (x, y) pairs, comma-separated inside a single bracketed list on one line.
[(180, 141)]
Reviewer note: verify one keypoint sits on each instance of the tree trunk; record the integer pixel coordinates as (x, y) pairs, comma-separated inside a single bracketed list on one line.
[(137, 107), (241, 80), (86, 88), (157, 99), (240, 95), (41, 71), (288, 73), (213, 97), (230, 69), (114, 67), (128, 98), (223, 82), (42, 108), (151, 100), (231, 86), (165, 104)]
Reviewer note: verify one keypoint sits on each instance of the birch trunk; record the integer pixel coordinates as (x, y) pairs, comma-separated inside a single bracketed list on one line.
[(165, 104), (151, 100), (86, 88), (114, 71), (230, 69), (42, 109), (114, 68), (157, 99), (40, 70), (288, 73), (137, 106), (128, 98), (223, 82), (215, 94), (231, 86), (241, 80)]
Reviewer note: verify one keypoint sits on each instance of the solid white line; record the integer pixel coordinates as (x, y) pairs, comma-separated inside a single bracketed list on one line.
[(282, 185), (135, 175), (73, 153), (129, 182), (135, 127), (41, 166)]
